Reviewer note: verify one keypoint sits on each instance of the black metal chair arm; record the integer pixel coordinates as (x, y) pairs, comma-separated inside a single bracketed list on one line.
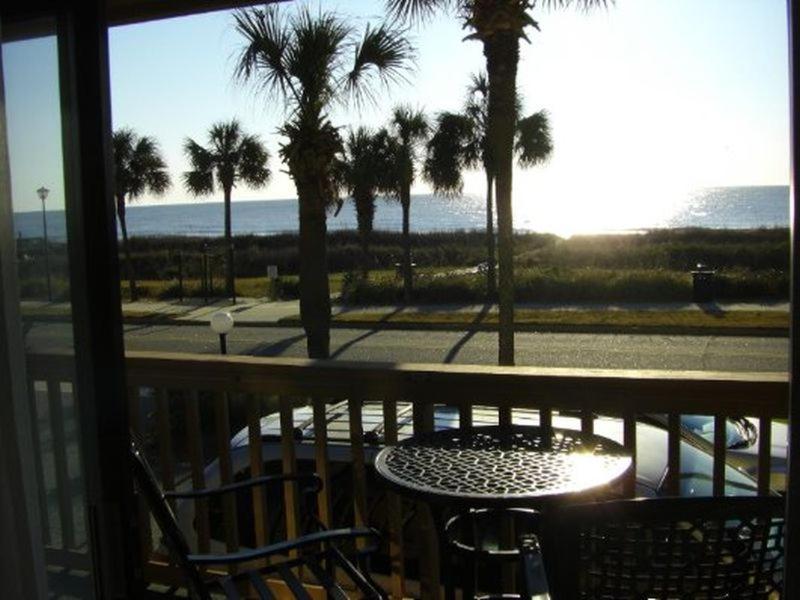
[(311, 478), (319, 537)]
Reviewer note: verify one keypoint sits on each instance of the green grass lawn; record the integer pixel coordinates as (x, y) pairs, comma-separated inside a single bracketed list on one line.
[(612, 318)]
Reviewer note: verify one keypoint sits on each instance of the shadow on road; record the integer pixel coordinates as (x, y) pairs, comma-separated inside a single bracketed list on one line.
[(346, 346), (453, 352), (277, 348)]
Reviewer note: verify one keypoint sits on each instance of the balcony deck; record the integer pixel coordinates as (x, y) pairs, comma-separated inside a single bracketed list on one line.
[(190, 406)]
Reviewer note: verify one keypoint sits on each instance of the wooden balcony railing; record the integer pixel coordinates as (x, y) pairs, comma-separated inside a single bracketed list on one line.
[(187, 390)]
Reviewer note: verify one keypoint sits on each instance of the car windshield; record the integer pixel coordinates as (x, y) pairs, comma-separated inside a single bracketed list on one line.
[(696, 476), (703, 426)]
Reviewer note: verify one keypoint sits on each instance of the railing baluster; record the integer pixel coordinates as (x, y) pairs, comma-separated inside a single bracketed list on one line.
[(354, 406), (321, 459), (546, 421), (465, 413), (56, 410), (673, 454), (395, 507), (587, 422), (145, 533), (38, 464), (222, 425), (720, 450), (194, 446), (429, 551), (165, 440), (504, 416), (260, 524), (291, 501), (423, 417), (629, 441), (764, 455)]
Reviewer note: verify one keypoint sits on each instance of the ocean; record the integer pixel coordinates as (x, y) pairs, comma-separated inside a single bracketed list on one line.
[(717, 208)]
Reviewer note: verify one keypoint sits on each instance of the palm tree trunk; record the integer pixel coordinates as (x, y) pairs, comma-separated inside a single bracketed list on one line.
[(491, 279), (229, 272), (502, 55), (126, 248), (315, 296), (408, 277), (365, 213)]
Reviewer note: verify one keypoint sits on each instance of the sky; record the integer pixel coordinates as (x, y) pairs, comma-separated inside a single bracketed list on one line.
[(647, 100)]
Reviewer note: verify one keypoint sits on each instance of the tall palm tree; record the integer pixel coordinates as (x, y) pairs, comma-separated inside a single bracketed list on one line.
[(138, 168), (498, 25), (409, 128), (362, 172), (309, 62), (461, 142), (231, 156)]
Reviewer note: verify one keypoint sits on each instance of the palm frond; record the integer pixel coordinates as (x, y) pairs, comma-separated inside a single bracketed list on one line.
[(411, 124), (417, 10), (200, 180), (253, 162), (158, 181), (267, 37), (199, 183), (382, 51), (390, 158), (314, 54), (449, 152), (580, 4), (533, 143), (478, 84), (140, 167)]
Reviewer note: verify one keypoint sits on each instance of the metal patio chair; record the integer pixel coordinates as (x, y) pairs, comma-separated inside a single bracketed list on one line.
[(317, 552), (698, 548)]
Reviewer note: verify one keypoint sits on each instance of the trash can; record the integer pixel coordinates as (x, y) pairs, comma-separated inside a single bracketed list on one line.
[(703, 283)]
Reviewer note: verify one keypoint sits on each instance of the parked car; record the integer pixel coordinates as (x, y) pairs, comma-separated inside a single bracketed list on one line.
[(651, 439)]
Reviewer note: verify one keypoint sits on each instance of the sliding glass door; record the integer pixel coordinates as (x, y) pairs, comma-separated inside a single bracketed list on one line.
[(65, 492)]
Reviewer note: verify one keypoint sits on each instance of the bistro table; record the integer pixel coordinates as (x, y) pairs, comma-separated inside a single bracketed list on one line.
[(500, 466)]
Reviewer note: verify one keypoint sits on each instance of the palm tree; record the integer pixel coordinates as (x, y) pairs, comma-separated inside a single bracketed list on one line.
[(231, 156), (461, 142), (362, 173), (138, 167), (409, 128), (498, 25), (309, 62)]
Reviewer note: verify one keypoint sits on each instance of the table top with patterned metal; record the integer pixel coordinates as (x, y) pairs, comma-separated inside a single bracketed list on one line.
[(502, 464)]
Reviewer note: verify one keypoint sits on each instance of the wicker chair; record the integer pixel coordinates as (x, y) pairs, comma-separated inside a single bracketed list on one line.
[(698, 548), (314, 550)]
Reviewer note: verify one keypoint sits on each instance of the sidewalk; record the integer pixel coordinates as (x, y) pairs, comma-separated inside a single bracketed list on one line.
[(248, 311), (740, 318)]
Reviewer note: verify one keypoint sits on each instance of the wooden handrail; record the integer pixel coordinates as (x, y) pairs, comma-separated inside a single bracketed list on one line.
[(598, 390)]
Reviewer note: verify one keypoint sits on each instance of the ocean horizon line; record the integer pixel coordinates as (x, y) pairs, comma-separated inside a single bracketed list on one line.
[(749, 207), (467, 195)]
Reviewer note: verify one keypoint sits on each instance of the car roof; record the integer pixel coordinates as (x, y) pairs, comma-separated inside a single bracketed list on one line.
[(651, 440)]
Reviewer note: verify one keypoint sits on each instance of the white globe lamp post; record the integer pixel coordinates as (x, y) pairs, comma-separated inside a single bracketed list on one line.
[(222, 325)]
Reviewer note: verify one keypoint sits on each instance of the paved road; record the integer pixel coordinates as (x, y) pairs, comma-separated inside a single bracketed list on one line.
[(617, 351)]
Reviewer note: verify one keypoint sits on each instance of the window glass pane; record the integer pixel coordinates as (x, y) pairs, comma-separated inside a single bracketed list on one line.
[(34, 121)]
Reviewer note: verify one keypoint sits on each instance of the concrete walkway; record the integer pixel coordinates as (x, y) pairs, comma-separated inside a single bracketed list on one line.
[(253, 312)]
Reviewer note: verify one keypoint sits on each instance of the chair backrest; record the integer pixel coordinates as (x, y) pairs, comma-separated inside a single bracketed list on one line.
[(667, 548), (174, 540)]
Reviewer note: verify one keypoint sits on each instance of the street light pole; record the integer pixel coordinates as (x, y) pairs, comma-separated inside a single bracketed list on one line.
[(43, 192)]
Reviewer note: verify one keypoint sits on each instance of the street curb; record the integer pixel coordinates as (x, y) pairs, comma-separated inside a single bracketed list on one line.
[(546, 328)]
